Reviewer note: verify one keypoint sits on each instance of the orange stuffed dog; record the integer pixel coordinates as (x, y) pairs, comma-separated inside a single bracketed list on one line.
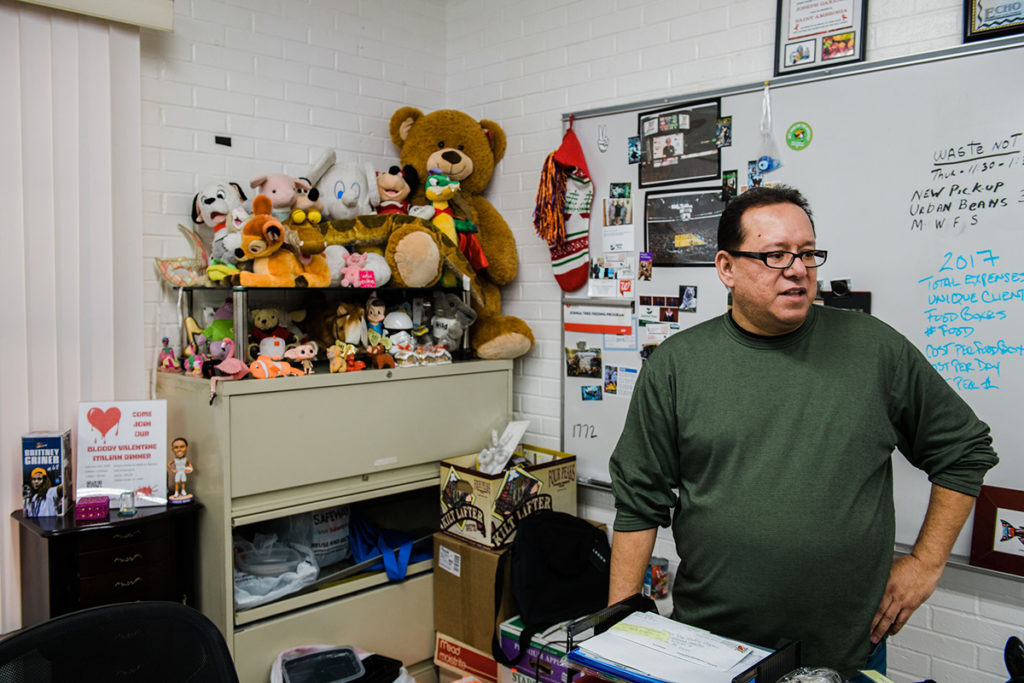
[(273, 266)]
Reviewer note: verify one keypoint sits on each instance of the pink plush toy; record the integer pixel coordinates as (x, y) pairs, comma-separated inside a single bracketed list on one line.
[(350, 273), (281, 189)]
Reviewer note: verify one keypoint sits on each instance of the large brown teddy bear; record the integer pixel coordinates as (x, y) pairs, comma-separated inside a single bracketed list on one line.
[(467, 150)]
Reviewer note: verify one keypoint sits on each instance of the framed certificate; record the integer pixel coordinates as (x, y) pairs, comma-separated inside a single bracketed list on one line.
[(816, 34)]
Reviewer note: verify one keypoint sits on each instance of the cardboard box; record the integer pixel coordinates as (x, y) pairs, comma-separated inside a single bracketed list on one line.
[(457, 656), (464, 591), (451, 676), (550, 652), (47, 482), (486, 508)]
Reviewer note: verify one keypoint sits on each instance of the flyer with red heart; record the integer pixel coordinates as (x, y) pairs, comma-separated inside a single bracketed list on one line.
[(122, 446)]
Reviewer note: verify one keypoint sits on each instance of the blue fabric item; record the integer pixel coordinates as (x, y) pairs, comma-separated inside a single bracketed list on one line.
[(368, 541), (877, 661)]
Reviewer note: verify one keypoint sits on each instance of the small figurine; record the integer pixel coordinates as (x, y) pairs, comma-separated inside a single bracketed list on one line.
[(351, 364), (304, 355), (193, 361), (167, 361), (181, 467), (336, 357), (375, 312)]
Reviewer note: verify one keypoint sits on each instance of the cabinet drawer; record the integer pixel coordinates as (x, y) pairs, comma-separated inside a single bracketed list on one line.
[(396, 620), (125, 557), (154, 582), (112, 538), (352, 429)]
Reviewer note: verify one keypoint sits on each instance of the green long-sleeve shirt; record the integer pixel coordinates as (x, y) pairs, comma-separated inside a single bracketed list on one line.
[(771, 458)]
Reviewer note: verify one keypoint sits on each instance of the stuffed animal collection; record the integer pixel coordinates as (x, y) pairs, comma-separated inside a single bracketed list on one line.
[(422, 222)]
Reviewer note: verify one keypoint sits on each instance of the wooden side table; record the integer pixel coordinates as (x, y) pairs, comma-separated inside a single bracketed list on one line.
[(68, 565)]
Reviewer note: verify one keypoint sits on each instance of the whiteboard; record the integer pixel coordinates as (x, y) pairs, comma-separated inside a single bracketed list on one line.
[(915, 178)]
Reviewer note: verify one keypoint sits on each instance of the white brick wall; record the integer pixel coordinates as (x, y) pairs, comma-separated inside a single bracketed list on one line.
[(285, 79), (288, 78)]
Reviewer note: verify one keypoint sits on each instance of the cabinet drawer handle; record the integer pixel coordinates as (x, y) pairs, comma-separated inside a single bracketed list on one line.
[(130, 534), (127, 584), (130, 558)]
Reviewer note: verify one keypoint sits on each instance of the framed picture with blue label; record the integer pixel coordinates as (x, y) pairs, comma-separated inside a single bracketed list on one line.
[(680, 144), (817, 34)]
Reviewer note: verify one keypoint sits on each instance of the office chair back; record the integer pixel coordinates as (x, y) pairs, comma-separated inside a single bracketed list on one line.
[(138, 642), (1013, 655)]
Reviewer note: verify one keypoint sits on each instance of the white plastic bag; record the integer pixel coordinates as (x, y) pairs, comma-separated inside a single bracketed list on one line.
[(768, 155), (267, 569)]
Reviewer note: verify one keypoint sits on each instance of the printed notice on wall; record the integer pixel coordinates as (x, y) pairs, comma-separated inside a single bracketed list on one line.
[(122, 446), (598, 319)]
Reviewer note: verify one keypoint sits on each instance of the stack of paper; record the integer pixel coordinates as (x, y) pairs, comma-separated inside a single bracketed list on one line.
[(651, 648)]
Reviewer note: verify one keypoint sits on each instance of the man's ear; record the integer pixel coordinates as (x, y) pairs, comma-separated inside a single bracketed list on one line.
[(725, 264)]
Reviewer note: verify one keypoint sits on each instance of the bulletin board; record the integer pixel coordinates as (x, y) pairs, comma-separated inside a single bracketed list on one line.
[(913, 169)]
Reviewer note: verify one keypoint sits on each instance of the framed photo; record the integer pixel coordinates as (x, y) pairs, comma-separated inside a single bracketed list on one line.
[(984, 20), (681, 226), (679, 144), (816, 34), (998, 538)]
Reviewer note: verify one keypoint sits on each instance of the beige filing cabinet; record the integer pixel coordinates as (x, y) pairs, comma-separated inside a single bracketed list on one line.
[(270, 449)]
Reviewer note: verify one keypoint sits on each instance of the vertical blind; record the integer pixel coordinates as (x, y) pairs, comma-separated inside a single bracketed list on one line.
[(71, 274)]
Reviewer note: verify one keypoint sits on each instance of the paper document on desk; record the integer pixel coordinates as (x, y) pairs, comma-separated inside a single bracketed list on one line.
[(647, 646)]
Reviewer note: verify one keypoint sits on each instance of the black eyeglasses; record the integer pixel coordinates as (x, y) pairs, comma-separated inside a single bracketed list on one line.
[(812, 258)]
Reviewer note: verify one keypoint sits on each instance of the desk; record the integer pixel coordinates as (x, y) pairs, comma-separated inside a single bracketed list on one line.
[(67, 565)]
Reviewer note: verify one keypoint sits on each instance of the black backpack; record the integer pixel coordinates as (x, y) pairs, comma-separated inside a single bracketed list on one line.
[(559, 571)]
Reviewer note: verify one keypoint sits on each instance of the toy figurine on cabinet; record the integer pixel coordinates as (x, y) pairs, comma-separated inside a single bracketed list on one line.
[(193, 360), (375, 312), (181, 467), (167, 361)]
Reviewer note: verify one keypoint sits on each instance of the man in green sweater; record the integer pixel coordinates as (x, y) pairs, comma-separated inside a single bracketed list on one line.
[(765, 437)]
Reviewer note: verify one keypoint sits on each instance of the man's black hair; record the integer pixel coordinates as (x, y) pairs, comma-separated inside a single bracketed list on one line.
[(730, 233)]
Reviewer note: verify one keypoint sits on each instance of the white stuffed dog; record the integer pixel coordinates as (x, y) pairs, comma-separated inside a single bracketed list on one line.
[(347, 189), (218, 211)]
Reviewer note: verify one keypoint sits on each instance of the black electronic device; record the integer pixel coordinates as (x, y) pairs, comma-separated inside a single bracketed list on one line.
[(339, 665)]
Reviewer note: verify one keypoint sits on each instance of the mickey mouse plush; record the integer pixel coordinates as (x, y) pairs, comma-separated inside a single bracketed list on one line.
[(394, 188)]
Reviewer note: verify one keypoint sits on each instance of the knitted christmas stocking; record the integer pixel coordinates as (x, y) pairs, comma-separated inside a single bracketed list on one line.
[(562, 214)]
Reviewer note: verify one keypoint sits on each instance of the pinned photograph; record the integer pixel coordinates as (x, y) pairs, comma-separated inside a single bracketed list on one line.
[(611, 379), (723, 131), (618, 211), (729, 185), (633, 149), (583, 361), (620, 190), (646, 268), (591, 392), (688, 294)]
